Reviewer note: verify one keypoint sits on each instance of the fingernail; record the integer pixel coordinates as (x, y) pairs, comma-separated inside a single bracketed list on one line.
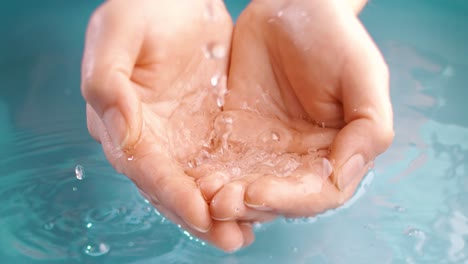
[(116, 127), (259, 207), (200, 229), (350, 170), (236, 248)]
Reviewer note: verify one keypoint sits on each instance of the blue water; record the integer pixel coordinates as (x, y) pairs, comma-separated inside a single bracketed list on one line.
[(413, 208)]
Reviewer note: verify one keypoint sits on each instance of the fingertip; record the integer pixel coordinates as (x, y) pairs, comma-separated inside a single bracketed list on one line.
[(228, 203), (350, 170), (209, 185), (257, 195), (196, 214), (227, 236), (247, 232)]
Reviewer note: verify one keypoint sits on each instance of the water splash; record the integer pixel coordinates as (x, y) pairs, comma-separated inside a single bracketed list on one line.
[(96, 250), (215, 80), (420, 237), (218, 82), (79, 172), (275, 136), (220, 101), (214, 51), (49, 226)]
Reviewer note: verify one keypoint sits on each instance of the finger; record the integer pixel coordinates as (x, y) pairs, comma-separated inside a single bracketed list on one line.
[(212, 183), (367, 111), (113, 41), (247, 231), (228, 236), (228, 204), (302, 194), (164, 181), (210, 177)]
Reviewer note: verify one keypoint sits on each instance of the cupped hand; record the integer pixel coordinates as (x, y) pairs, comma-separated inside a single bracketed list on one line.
[(152, 76), (308, 110)]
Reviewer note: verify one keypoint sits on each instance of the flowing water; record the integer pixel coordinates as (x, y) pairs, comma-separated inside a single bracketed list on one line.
[(61, 202)]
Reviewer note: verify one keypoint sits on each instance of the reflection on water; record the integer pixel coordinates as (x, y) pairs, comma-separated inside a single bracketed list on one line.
[(63, 203)]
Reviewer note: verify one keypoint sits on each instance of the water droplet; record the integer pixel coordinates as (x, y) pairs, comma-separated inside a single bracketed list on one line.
[(228, 120), (89, 225), (96, 250), (354, 109), (79, 172), (295, 250), (215, 80), (414, 232), (275, 136), (323, 124), (187, 234), (75, 189), (400, 209), (257, 225), (192, 164), (369, 226), (49, 226), (280, 13), (292, 220), (130, 158), (220, 101), (214, 51), (237, 210), (236, 171), (448, 71)]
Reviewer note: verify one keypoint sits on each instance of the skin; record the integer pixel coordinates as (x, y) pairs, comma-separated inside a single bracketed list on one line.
[(154, 76)]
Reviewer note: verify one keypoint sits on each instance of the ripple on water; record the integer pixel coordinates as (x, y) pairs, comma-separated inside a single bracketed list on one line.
[(51, 212)]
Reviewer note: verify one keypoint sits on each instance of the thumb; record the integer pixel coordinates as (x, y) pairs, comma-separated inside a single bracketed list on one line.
[(354, 149), (367, 113), (111, 49)]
